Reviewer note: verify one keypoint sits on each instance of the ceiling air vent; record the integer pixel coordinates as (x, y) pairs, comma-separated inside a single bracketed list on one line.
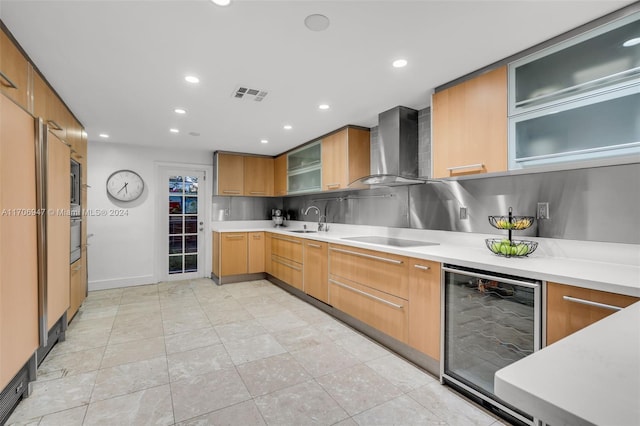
[(249, 94)]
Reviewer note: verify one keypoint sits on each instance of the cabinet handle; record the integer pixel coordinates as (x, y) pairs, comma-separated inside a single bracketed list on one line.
[(11, 84), (333, 185), (591, 303), (286, 239), (422, 267), (257, 192), (234, 237), (226, 191), (84, 185), (369, 256), (55, 126), (364, 293), (275, 259), (77, 268), (314, 245), (469, 166), (257, 237)]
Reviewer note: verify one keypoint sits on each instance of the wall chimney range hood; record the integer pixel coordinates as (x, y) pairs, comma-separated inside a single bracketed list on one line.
[(394, 159)]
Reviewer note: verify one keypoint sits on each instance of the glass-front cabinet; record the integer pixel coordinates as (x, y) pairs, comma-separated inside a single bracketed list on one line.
[(578, 99), (304, 169)]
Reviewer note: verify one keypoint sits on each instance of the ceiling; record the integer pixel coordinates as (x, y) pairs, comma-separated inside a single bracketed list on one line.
[(120, 65)]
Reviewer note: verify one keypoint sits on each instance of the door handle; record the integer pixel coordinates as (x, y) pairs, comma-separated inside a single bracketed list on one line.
[(201, 229)]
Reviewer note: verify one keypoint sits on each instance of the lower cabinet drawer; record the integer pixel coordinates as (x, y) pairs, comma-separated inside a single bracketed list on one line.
[(384, 312), (286, 270)]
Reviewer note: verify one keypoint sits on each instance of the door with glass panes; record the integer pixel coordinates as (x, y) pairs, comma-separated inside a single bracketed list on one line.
[(184, 209)]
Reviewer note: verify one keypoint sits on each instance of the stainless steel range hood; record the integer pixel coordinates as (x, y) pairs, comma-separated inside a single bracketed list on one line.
[(394, 160)]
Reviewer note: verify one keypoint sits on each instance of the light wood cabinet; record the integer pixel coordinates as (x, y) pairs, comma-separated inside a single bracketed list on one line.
[(286, 260), (258, 176), (233, 253), (469, 126), (280, 175), (58, 229), (255, 241), (345, 158), (230, 174), (215, 253), (570, 308), (77, 286), (14, 72), (424, 307), (315, 280), (18, 241)]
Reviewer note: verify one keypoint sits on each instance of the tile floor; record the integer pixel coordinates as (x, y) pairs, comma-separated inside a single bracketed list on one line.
[(193, 353)]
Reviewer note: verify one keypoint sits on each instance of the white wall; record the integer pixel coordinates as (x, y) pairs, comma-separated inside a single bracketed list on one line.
[(122, 249)]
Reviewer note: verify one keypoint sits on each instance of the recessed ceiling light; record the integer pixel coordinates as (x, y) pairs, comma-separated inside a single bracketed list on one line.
[(631, 42), (323, 106), (221, 2), (399, 63), (104, 135), (180, 111), (287, 127), (174, 130), (316, 22), (264, 141), (192, 79)]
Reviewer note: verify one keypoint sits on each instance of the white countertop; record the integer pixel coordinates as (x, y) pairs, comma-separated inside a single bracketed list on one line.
[(589, 377), (601, 266)]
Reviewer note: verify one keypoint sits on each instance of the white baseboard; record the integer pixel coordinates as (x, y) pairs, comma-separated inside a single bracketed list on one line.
[(121, 282)]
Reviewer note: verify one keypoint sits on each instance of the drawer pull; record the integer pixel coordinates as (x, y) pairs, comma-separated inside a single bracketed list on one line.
[(234, 237), (10, 84), (591, 303), (257, 237), (422, 267), (333, 185), (275, 259), (369, 256), (226, 191), (468, 166), (313, 245), (364, 293), (286, 239), (257, 192), (55, 126)]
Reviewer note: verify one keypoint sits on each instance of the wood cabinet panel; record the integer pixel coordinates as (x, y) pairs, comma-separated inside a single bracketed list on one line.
[(280, 175), (258, 176), (469, 126), (230, 174), (381, 271), (565, 317), (424, 307), (315, 270), (14, 70), (77, 286), (18, 241), (380, 310), (215, 249), (287, 270), (256, 252), (58, 229), (233, 254), (287, 247), (345, 158), (267, 253)]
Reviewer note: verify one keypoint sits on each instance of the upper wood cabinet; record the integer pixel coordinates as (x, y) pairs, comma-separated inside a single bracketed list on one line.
[(48, 106), (230, 174), (14, 72), (469, 126), (345, 158), (570, 308), (280, 175), (258, 176)]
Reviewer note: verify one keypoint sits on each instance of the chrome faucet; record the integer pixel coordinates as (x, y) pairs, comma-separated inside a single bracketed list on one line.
[(322, 226)]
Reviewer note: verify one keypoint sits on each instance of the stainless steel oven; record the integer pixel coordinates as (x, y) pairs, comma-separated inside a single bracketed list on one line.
[(490, 320)]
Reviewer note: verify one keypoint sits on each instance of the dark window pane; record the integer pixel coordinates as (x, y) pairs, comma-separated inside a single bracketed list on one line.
[(175, 244), (191, 224), (175, 205), (190, 205), (191, 244), (175, 224), (175, 264), (175, 184), (191, 263)]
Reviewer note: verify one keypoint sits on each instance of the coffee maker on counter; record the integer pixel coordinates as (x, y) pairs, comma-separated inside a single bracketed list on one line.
[(278, 219)]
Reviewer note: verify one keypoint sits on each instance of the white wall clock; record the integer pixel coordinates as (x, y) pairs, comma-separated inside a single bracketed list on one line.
[(125, 185)]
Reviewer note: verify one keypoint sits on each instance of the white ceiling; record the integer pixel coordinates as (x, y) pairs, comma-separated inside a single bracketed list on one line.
[(120, 65)]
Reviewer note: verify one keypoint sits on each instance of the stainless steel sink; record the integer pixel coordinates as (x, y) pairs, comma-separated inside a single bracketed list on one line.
[(388, 241), (303, 231)]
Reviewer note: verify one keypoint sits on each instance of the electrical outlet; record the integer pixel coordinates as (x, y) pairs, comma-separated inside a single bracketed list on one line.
[(463, 213), (543, 211)]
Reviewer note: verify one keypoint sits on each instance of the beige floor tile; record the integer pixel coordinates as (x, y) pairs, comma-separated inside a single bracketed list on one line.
[(72, 417), (301, 338), (271, 374), (60, 365), (245, 414), (260, 306), (253, 348), (188, 301), (361, 347), (95, 313), (240, 330), (136, 332), (81, 341), (324, 359), (401, 373), (334, 329), (139, 350), (146, 407), (401, 411), (222, 317), (128, 378), (136, 319), (358, 388), (140, 308), (303, 404), (281, 321), (347, 422), (184, 365), (203, 394), (191, 340), (103, 324), (185, 323)]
